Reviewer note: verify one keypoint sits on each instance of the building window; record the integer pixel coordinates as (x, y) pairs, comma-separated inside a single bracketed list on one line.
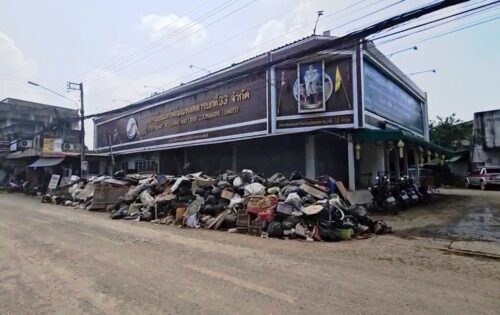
[(145, 166)]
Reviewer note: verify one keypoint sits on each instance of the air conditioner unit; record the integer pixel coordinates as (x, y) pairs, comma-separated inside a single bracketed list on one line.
[(25, 144), (70, 146)]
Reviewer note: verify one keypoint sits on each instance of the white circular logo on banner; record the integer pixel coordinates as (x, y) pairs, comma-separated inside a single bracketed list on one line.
[(131, 128)]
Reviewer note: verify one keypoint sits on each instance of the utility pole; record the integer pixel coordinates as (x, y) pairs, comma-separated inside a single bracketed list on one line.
[(79, 87)]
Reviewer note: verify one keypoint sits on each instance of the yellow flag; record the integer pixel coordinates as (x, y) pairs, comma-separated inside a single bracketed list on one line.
[(338, 80)]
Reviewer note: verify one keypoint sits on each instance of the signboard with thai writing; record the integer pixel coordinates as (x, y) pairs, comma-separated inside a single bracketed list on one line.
[(238, 107), (386, 98)]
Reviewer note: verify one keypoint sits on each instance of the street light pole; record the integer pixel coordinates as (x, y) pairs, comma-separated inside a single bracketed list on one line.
[(403, 50), (79, 87), (420, 72)]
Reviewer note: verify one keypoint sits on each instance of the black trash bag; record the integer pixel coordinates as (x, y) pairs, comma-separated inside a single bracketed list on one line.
[(211, 200), (200, 191), (132, 216), (361, 215), (295, 176), (230, 221), (349, 222), (274, 229), (147, 216), (208, 209), (120, 213), (289, 222), (329, 234), (216, 192)]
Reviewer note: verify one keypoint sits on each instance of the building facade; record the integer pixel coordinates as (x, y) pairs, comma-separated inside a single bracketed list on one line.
[(347, 112), (31, 133), (486, 139)]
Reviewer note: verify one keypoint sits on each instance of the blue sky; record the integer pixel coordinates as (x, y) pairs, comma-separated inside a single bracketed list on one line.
[(125, 50)]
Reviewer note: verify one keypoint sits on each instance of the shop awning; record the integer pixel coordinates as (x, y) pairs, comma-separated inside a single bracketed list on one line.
[(369, 135), (47, 162)]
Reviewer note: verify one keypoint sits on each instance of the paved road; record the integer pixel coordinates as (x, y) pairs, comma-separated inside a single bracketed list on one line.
[(62, 260)]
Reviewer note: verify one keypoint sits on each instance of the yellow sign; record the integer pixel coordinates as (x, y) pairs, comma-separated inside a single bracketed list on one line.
[(48, 145)]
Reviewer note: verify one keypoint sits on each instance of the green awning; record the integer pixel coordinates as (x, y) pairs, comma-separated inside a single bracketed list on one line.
[(370, 135)]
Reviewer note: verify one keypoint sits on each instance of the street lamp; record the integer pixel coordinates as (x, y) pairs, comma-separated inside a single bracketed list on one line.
[(320, 13), (420, 72), (193, 66), (400, 51), (79, 87), (54, 92)]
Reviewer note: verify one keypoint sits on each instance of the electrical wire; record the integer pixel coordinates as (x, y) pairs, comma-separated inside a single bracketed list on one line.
[(124, 64), (165, 37), (328, 15), (435, 21), (248, 52)]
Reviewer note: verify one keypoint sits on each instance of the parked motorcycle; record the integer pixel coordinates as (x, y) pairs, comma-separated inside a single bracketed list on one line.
[(399, 193), (383, 200)]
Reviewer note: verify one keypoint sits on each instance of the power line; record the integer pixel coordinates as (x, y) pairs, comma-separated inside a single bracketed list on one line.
[(332, 14), (335, 42), (249, 52), (173, 33), (124, 64)]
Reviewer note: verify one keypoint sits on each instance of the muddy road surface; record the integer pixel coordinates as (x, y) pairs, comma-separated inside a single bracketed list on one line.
[(58, 260)]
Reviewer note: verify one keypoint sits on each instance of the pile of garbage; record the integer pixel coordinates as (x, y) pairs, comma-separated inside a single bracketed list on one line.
[(246, 202)]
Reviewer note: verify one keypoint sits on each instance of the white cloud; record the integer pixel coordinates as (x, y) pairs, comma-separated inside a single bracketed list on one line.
[(16, 68), (13, 61), (171, 25), (269, 31)]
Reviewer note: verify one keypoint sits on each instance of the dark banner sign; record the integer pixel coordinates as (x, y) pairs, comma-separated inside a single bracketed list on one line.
[(384, 97), (322, 86), (235, 105)]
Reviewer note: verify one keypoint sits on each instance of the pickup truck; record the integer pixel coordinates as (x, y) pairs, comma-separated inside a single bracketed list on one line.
[(483, 177)]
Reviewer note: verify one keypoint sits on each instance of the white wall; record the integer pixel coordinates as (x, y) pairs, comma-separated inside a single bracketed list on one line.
[(371, 162)]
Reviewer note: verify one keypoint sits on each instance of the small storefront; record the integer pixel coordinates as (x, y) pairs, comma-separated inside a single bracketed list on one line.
[(310, 114)]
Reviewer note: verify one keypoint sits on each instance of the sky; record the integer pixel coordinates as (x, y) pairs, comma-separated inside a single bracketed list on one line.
[(125, 50)]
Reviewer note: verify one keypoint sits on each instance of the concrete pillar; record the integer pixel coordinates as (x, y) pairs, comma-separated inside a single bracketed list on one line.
[(405, 157), (417, 166), (235, 158), (387, 159), (310, 156), (395, 157), (351, 163)]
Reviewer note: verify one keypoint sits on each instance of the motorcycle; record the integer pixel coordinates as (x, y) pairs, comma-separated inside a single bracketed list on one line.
[(382, 196), (401, 196)]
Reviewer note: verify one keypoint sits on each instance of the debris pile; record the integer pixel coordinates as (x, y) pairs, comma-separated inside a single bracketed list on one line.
[(277, 207), (246, 202)]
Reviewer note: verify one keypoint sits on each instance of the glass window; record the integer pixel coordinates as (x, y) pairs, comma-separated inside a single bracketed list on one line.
[(492, 170)]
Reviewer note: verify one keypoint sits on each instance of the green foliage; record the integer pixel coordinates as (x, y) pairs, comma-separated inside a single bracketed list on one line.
[(446, 130)]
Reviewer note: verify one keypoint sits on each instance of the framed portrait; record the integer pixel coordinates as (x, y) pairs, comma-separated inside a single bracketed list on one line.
[(312, 87)]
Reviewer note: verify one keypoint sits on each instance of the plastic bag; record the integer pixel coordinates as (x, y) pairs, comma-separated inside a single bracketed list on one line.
[(147, 199), (255, 189), (275, 229)]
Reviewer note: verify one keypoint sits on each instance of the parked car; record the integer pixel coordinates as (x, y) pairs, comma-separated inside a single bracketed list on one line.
[(483, 177)]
